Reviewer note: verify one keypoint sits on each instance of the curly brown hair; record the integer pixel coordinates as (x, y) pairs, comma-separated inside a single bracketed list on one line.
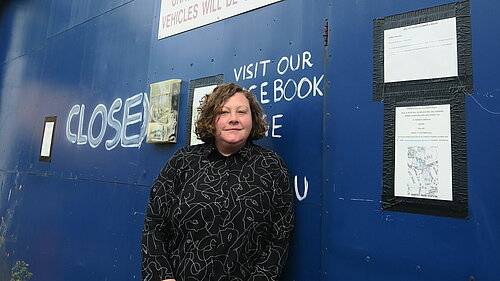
[(212, 105)]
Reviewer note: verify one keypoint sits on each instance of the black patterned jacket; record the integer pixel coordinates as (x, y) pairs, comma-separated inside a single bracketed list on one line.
[(217, 218)]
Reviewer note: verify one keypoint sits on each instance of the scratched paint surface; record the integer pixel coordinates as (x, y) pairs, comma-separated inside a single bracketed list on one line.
[(90, 64), (80, 216)]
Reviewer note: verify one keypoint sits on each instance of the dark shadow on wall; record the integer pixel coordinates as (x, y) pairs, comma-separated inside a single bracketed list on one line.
[(3, 3), (4, 19)]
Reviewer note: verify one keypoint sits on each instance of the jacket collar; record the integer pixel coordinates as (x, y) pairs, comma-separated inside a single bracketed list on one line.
[(210, 150)]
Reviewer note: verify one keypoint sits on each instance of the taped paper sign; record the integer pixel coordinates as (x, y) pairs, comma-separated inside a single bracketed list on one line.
[(177, 16)]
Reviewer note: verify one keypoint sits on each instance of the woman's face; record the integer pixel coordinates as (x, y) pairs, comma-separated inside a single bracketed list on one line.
[(233, 124)]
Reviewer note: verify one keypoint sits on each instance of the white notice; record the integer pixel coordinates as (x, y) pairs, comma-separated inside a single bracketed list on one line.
[(422, 51), (177, 16), (47, 139), (423, 152)]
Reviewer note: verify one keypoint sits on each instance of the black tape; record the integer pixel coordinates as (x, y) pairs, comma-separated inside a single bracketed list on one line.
[(449, 90), (458, 208)]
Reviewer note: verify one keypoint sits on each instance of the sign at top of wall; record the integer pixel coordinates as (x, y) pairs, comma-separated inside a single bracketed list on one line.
[(177, 16)]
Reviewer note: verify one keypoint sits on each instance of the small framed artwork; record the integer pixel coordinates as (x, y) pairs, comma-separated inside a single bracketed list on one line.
[(164, 111), (198, 89), (47, 139)]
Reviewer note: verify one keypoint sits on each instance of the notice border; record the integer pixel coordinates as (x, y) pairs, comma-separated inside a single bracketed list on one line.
[(456, 208), (426, 92)]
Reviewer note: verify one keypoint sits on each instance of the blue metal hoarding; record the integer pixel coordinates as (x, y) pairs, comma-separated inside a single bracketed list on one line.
[(80, 215)]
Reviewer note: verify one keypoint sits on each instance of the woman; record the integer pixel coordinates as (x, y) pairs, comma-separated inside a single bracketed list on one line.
[(222, 210)]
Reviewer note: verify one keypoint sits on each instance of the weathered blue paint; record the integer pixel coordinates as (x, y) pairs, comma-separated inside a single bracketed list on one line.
[(364, 243), (80, 216)]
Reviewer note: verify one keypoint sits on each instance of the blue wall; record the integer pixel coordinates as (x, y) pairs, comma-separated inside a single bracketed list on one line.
[(80, 216)]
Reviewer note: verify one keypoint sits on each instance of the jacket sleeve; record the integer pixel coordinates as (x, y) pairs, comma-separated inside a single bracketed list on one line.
[(273, 258), (155, 235)]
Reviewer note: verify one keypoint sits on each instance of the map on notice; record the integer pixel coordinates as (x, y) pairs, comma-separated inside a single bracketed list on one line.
[(423, 167)]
